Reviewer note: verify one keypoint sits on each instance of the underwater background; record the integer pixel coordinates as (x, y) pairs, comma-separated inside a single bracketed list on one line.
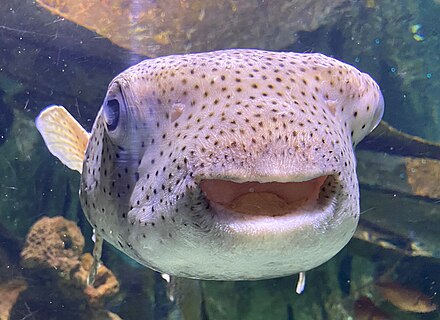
[(56, 52)]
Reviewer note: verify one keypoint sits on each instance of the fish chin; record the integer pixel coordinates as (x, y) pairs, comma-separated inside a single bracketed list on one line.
[(265, 230)]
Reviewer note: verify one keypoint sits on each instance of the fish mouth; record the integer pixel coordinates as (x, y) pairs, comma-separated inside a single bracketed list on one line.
[(271, 199)]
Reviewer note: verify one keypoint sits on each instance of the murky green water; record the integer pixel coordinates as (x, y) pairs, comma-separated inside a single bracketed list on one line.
[(47, 59)]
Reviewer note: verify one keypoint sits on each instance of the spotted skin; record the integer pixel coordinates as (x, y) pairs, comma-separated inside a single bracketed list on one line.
[(237, 115)]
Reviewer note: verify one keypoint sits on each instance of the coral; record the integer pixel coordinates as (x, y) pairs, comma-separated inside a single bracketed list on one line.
[(54, 263), (106, 285), (9, 292), (54, 244)]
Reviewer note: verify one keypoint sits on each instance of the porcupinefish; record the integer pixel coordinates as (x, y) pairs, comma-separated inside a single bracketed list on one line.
[(226, 165)]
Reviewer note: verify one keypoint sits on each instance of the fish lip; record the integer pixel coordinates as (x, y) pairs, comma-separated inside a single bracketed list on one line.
[(321, 206)]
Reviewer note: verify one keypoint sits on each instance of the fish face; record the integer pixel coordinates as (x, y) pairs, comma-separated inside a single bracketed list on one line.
[(229, 165)]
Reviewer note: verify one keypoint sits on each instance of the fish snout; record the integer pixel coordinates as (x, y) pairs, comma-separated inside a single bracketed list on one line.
[(291, 156)]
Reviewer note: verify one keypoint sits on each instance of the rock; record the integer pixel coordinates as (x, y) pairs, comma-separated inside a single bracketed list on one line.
[(154, 28), (399, 198), (50, 60), (423, 177), (387, 139), (408, 175)]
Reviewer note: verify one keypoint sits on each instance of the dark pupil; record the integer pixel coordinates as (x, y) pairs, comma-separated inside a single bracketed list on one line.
[(112, 114)]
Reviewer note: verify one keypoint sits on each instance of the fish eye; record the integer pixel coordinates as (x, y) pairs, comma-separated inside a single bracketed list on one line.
[(111, 113)]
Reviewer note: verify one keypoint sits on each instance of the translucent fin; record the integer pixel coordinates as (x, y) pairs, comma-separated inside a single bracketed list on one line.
[(301, 283), (186, 297), (63, 135), (97, 253)]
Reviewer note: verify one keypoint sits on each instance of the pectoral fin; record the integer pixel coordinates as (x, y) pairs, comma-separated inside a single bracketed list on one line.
[(65, 138)]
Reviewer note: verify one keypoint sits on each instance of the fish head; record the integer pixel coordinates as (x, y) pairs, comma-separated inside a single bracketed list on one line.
[(229, 165)]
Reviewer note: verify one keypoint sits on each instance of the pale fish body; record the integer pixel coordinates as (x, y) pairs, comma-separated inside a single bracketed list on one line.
[(228, 165)]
